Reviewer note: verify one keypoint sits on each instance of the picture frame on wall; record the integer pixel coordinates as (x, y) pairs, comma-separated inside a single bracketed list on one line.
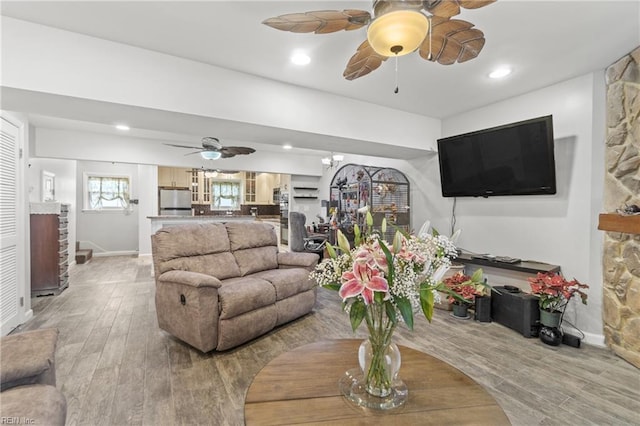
[(48, 186)]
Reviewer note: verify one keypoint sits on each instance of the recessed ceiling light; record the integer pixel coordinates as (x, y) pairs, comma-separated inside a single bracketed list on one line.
[(122, 127), (300, 58), (500, 72), (286, 146)]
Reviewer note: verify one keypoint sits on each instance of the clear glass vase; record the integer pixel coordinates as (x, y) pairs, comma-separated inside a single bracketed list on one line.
[(376, 384)]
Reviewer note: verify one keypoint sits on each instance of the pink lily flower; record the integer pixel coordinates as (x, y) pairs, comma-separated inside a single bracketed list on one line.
[(362, 279), (373, 256)]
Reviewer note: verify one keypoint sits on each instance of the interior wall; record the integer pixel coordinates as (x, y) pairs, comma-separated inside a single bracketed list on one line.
[(558, 229), (147, 196), (107, 232)]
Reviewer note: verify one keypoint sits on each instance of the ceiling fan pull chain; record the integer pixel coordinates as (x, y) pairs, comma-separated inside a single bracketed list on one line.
[(430, 55), (396, 91)]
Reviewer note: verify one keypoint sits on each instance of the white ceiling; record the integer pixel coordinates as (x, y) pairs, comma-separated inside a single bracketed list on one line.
[(543, 41)]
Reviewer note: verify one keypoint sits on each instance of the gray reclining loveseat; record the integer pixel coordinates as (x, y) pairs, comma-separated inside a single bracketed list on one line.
[(220, 285)]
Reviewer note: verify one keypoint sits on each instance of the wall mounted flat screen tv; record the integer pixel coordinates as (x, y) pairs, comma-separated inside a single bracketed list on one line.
[(514, 159)]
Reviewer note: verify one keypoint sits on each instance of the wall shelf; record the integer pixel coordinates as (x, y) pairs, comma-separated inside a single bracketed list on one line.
[(612, 222), (305, 188), (308, 197)]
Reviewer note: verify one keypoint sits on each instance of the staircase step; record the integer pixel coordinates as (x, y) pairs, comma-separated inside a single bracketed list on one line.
[(83, 256)]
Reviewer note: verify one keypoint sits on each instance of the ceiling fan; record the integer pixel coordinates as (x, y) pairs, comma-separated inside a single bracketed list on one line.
[(398, 27), (212, 149)]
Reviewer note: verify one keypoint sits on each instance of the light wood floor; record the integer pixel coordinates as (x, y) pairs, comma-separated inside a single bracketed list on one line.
[(116, 367)]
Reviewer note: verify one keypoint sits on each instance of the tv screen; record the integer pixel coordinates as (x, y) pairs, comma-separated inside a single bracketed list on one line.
[(514, 159)]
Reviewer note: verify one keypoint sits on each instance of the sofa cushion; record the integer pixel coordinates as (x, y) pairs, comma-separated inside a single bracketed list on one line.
[(240, 295), (246, 235), (200, 248), (287, 282), (256, 259)]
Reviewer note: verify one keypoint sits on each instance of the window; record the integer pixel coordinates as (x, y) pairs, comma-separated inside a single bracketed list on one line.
[(226, 195), (104, 192)]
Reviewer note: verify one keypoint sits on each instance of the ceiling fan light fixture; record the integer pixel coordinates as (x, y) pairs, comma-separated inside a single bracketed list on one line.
[(210, 155), (397, 33)]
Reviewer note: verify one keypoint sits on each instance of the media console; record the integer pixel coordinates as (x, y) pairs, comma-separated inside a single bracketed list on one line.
[(526, 266), (511, 303)]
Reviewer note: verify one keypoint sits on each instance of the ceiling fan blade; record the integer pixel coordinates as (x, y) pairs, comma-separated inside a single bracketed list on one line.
[(442, 8), (182, 146), (230, 151), (320, 21), (363, 62), (450, 8), (453, 41), (475, 4)]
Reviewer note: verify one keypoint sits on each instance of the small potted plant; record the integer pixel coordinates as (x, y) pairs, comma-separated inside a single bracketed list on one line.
[(554, 292), (462, 290)]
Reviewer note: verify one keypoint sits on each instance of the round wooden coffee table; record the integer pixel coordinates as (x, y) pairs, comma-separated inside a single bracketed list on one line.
[(301, 386)]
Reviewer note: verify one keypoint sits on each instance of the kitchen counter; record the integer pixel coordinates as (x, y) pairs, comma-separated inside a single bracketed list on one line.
[(158, 222)]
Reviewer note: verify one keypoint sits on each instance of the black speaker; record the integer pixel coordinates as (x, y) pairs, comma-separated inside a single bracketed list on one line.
[(482, 309), (517, 310)]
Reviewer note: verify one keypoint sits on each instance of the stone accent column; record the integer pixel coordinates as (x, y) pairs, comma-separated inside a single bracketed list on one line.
[(621, 260)]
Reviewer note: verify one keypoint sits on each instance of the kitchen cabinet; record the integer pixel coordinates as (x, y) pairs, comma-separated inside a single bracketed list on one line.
[(200, 188), (174, 177), (49, 248)]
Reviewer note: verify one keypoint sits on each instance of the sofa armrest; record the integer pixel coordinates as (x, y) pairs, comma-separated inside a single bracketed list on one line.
[(298, 260), (194, 279)]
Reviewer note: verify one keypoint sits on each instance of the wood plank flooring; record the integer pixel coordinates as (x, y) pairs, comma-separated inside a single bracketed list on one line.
[(116, 367)]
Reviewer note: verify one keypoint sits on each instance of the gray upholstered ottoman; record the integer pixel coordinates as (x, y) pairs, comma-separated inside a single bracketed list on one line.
[(28, 379), (28, 358), (33, 405)]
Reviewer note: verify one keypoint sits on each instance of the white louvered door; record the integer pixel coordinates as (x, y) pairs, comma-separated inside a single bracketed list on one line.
[(9, 244)]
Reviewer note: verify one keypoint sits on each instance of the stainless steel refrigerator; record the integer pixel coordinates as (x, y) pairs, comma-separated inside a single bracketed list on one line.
[(175, 202)]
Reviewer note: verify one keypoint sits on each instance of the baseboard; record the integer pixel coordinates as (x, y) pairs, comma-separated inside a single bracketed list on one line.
[(594, 339), (116, 253), (145, 256)]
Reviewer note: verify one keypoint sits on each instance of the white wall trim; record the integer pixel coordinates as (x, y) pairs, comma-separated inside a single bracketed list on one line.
[(594, 339), (116, 253)]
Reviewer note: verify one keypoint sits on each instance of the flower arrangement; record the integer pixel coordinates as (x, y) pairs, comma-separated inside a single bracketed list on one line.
[(383, 284), (554, 291), (465, 288)]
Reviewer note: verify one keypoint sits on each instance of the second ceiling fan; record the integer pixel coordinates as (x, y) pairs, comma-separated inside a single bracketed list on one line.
[(212, 149), (398, 27)]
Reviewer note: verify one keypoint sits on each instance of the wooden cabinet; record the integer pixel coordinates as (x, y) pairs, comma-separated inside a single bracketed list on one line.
[(200, 188), (174, 177), (249, 187), (49, 250)]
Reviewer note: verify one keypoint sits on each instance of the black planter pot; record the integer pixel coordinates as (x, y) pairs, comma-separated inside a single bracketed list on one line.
[(460, 310)]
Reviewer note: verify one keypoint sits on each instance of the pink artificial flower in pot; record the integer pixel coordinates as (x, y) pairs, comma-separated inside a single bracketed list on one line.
[(554, 291)]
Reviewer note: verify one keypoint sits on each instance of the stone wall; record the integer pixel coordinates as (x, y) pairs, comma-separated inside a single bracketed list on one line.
[(621, 258)]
